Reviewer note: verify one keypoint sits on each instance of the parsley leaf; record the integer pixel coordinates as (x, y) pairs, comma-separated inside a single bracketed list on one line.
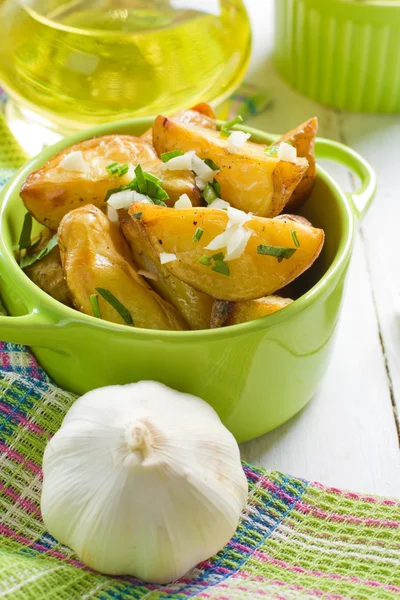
[(116, 304), (278, 252), (27, 261)]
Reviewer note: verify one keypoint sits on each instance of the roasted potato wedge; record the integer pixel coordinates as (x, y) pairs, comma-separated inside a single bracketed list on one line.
[(201, 115), (250, 180), (95, 254), (205, 109), (47, 273), (194, 306), (252, 275), (51, 192), (232, 313), (303, 139), (176, 183)]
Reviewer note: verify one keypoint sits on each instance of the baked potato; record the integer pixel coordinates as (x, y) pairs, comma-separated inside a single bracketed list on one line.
[(303, 139), (254, 274), (194, 306), (231, 313), (94, 255), (47, 273), (52, 191), (250, 179), (201, 115)]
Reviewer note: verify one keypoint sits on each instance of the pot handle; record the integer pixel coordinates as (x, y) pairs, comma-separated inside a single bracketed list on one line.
[(29, 329), (361, 199)]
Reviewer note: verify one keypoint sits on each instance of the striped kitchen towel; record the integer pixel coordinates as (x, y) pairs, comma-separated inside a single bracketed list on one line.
[(296, 539)]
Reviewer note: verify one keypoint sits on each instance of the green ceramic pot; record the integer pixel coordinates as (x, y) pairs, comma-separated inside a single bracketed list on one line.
[(344, 53), (256, 375)]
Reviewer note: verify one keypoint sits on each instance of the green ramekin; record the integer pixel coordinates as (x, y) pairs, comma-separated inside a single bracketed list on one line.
[(343, 53)]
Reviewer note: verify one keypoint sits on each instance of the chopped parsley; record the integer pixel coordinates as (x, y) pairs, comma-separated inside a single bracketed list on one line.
[(210, 163), (137, 216), (116, 168), (271, 151), (116, 304), (197, 234), (216, 262), (25, 237), (278, 252), (295, 239), (140, 180), (157, 201), (166, 156), (220, 266), (27, 261), (94, 300), (209, 193), (150, 177), (144, 183), (227, 126), (217, 188)]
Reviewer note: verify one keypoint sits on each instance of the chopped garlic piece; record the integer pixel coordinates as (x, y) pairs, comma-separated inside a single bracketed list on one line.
[(221, 241), (301, 162), (112, 214), (180, 163), (287, 152), (234, 240), (237, 217), (202, 170), (235, 237), (237, 140), (237, 243), (191, 162), (74, 161), (142, 198), (183, 202), (125, 198), (219, 203), (147, 274), (166, 257), (121, 199), (200, 183)]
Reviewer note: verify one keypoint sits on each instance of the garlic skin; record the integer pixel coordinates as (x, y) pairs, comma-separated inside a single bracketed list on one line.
[(142, 480)]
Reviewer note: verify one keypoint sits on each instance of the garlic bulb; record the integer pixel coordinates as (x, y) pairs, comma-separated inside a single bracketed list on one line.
[(142, 480)]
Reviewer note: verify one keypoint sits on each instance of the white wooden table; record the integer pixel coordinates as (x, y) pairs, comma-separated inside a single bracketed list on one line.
[(348, 436)]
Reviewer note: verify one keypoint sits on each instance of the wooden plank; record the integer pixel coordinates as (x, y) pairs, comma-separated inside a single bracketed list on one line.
[(376, 137), (347, 436)]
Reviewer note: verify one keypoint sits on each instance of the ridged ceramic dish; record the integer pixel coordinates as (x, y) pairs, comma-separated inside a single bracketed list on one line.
[(343, 53)]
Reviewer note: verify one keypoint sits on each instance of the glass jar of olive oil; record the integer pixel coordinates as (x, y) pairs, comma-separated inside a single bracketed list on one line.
[(69, 64)]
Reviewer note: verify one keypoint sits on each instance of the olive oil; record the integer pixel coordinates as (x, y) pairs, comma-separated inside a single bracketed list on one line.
[(83, 62)]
